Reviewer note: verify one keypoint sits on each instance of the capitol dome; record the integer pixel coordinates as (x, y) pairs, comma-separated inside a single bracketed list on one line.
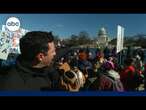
[(102, 31)]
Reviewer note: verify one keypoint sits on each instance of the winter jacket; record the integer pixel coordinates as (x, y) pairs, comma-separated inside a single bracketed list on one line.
[(23, 77)]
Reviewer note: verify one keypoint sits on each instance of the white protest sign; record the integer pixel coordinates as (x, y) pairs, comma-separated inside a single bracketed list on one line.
[(14, 37), (4, 49), (120, 37)]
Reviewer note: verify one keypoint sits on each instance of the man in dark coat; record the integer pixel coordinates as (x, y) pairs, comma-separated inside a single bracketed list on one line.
[(33, 69)]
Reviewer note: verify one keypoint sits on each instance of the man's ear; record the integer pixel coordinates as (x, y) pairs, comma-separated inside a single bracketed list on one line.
[(40, 56)]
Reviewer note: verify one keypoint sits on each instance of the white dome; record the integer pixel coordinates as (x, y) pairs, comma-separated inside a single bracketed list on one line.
[(102, 31)]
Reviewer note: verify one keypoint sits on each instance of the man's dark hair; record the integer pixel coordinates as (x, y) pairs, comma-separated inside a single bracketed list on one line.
[(33, 43), (128, 61)]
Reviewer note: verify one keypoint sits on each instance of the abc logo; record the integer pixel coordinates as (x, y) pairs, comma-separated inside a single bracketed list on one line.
[(13, 24)]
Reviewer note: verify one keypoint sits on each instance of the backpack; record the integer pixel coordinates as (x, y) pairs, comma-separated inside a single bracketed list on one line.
[(110, 81), (117, 85)]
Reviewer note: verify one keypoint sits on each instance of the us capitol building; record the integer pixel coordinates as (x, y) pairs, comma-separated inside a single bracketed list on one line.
[(102, 37)]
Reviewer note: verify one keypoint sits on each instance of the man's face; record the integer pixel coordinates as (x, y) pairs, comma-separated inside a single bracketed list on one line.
[(47, 59)]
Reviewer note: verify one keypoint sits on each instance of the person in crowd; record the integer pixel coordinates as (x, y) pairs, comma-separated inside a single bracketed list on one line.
[(129, 52), (34, 66), (139, 65), (114, 52), (129, 76), (72, 79), (109, 79), (106, 52), (98, 61), (84, 65)]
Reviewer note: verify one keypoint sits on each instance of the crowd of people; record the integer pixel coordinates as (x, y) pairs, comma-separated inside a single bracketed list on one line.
[(39, 68)]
